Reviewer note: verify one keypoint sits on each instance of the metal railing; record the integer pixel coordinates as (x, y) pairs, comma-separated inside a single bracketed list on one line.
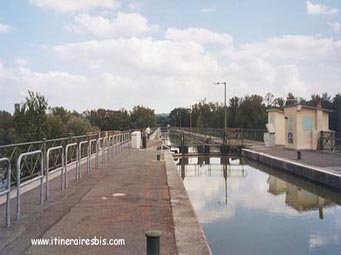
[(329, 140), (5, 187), (39, 176), (36, 161), (199, 136), (47, 173)]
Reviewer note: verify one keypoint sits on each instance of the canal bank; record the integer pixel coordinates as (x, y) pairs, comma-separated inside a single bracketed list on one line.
[(320, 167), (189, 236)]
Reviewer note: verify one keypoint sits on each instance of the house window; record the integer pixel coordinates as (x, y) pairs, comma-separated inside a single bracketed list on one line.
[(290, 125), (307, 123), (272, 120)]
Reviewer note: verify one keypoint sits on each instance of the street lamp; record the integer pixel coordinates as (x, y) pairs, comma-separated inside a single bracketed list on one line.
[(225, 108)]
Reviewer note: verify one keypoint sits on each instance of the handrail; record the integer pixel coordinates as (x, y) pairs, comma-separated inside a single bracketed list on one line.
[(44, 161), (20, 185), (78, 173), (90, 146), (48, 169), (7, 191), (66, 164)]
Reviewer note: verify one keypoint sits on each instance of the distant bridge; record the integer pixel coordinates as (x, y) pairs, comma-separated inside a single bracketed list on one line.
[(208, 140)]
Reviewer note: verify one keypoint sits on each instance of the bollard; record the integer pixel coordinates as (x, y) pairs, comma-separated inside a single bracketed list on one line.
[(158, 157), (298, 155), (153, 242)]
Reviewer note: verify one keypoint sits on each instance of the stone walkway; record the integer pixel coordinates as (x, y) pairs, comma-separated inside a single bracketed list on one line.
[(329, 161), (123, 199)]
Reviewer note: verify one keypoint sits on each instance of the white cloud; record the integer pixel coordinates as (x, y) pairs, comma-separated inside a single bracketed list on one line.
[(207, 10), (199, 35), (180, 69), (124, 25), (76, 5), (336, 26), (317, 9), (135, 6), (5, 28)]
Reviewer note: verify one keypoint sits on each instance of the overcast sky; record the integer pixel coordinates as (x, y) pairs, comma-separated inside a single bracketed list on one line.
[(115, 54)]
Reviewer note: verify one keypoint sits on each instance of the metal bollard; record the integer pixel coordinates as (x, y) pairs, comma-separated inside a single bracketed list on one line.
[(298, 155), (158, 157), (153, 242)]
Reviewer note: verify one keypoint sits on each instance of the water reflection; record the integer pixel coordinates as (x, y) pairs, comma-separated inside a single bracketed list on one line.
[(297, 197), (234, 199)]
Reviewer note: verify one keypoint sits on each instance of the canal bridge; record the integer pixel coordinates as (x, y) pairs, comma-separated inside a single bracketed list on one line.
[(97, 185), (93, 186)]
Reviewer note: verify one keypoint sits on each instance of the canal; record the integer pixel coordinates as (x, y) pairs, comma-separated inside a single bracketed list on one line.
[(245, 208)]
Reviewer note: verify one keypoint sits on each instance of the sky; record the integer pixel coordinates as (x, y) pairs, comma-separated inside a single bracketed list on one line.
[(115, 54)]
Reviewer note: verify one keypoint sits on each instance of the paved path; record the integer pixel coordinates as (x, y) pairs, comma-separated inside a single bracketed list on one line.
[(329, 161), (90, 208)]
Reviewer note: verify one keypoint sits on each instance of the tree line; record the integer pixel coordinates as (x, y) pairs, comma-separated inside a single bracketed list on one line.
[(34, 120), (248, 111)]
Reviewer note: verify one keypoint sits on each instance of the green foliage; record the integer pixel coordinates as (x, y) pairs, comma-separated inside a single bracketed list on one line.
[(180, 117), (29, 119), (63, 114), (109, 119), (6, 128), (162, 119), (78, 126), (251, 113), (142, 117), (54, 126), (32, 122)]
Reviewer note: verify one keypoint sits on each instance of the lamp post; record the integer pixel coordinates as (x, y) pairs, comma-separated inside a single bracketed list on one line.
[(225, 108)]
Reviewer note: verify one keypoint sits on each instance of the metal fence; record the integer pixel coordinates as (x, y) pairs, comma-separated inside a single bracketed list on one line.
[(25, 163), (206, 134), (330, 141)]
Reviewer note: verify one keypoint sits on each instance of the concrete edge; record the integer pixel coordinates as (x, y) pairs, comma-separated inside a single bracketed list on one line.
[(189, 236), (310, 172)]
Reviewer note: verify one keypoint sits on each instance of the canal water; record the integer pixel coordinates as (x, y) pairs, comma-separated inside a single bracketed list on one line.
[(245, 208)]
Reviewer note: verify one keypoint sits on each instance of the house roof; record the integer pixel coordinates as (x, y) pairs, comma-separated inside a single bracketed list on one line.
[(274, 110), (309, 107)]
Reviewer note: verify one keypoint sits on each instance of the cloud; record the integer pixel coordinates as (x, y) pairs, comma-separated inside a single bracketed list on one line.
[(207, 10), (336, 26), (124, 25), (317, 9), (199, 35), (5, 28), (74, 6), (135, 5), (178, 69)]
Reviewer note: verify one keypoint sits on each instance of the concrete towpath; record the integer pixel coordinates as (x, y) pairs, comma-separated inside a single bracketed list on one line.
[(328, 161), (120, 200)]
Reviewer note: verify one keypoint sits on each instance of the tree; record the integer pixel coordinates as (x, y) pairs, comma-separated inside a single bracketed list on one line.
[(108, 119), (6, 128), (180, 117), (251, 113), (162, 119), (78, 126), (142, 117), (61, 112), (335, 118), (54, 126), (279, 102), (233, 109), (291, 99), (269, 100), (30, 118)]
